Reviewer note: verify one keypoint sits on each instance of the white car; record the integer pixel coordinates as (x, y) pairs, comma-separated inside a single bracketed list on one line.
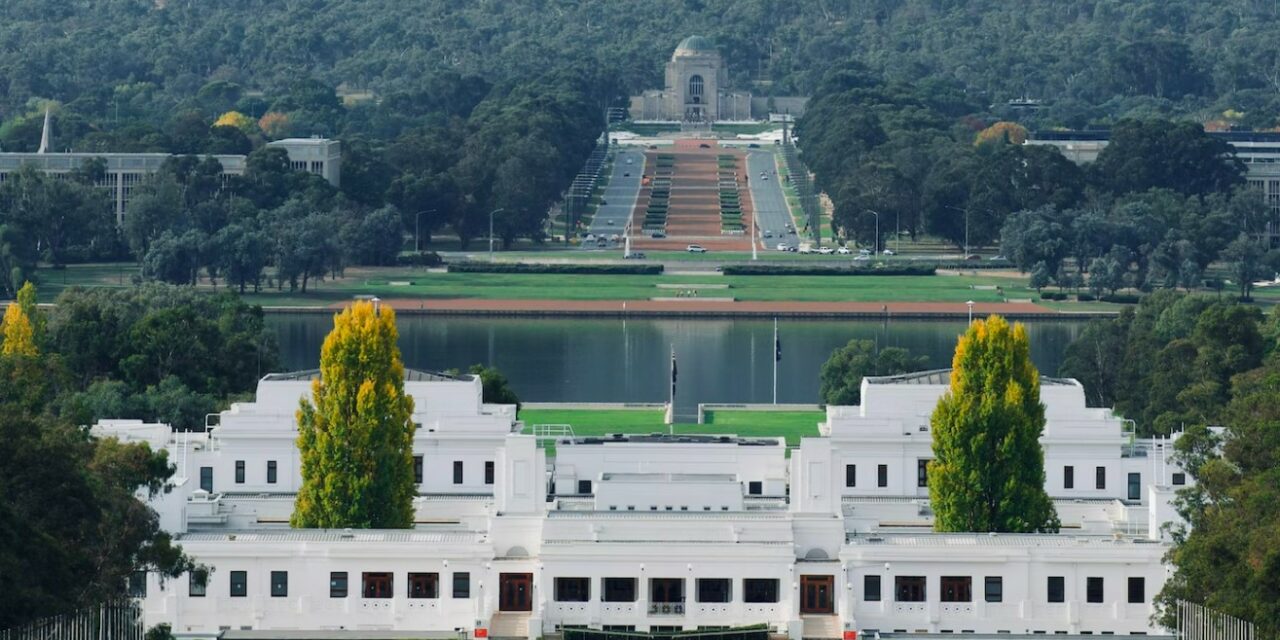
[(826, 251), (628, 160), (782, 246), (889, 252), (843, 251), (862, 258), (695, 248)]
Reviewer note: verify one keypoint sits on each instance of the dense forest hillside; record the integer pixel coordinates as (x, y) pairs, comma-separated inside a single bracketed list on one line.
[(1089, 60)]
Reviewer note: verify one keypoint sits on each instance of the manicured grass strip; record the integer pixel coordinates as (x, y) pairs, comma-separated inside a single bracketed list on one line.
[(792, 425)]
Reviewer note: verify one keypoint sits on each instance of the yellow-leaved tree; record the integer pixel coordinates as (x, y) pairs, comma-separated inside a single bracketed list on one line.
[(237, 120), (356, 439), (1002, 131), (21, 320), (988, 468)]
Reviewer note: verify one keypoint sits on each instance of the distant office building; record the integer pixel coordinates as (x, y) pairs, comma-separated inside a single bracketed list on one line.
[(697, 91), (1259, 151), (125, 171)]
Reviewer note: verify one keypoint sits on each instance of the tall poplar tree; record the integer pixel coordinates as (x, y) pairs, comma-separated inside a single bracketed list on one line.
[(19, 335), (356, 440), (988, 467)]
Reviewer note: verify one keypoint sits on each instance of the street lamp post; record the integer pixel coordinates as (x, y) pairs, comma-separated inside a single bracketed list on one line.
[(965, 211), (876, 250), (417, 228), (498, 210), (970, 305)]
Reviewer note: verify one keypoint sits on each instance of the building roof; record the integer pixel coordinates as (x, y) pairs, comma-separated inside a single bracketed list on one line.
[(410, 375), (695, 44), (666, 438), (943, 376), (991, 540)]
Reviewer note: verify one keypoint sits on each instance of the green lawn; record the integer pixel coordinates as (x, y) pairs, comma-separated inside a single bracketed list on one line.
[(791, 425), (434, 285)]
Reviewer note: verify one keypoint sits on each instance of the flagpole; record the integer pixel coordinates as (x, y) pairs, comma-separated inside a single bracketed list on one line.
[(671, 398), (775, 360)]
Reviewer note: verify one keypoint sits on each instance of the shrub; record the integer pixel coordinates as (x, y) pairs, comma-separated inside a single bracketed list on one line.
[(585, 269), (1121, 298), (419, 259), (1085, 297)]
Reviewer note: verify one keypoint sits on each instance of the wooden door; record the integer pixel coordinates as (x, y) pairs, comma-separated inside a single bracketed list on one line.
[(514, 592), (816, 594)]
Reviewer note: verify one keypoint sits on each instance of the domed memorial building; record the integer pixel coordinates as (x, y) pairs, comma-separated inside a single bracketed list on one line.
[(697, 90)]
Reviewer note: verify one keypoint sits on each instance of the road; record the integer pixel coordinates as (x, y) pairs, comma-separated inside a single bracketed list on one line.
[(620, 195), (771, 212)]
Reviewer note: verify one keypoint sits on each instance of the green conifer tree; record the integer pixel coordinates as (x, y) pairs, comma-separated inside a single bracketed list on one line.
[(356, 440), (988, 467)]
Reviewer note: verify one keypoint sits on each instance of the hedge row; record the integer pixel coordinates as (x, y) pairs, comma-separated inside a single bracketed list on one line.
[(975, 264), (789, 270), (523, 267), (1117, 298)]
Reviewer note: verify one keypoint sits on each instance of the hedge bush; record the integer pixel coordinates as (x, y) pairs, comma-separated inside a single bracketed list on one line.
[(1053, 295), (586, 269), (1121, 298), (419, 259), (790, 270), (1085, 297)]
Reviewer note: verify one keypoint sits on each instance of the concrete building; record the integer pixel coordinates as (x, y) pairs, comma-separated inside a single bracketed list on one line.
[(1258, 150), (657, 533), (697, 91), (125, 171)]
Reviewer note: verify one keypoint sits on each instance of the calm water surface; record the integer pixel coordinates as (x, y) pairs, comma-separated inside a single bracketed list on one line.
[(612, 360)]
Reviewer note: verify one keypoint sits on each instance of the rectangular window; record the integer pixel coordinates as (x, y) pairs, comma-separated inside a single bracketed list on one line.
[(457, 472), (1179, 479), (759, 590), (909, 588), (922, 473), (714, 590), (882, 475), (584, 487), (206, 479), (957, 588), (198, 583), (1100, 478), (619, 590), (755, 488), (424, 585), (271, 472), (1135, 486), (488, 472), (239, 584), (239, 471), (279, 584), (138, 584), (993, 587), (337, 584), (851, 475), (1137, 590), (1093, 589), (871, 588), (1057, 589), (461, 584), (1068, 477), (666, 590), (417, 469), (376, 584), (573, 589)]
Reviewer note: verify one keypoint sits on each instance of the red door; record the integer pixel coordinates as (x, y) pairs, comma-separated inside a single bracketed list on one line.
[(514, 592)]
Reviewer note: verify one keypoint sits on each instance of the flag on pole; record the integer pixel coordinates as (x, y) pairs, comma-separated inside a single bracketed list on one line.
[(777, 346), (673, 372)]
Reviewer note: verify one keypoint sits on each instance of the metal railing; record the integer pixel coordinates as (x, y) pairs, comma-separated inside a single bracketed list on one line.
[(550, 433), (1198, 622), (108, 622)]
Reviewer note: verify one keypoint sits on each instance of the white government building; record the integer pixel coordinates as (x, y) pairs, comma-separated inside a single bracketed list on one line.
[(658, 533)]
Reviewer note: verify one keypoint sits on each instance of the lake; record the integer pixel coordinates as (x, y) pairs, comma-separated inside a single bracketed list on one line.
[(614, 360)]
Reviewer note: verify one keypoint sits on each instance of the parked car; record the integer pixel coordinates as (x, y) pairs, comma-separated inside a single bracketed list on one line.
[(590, 237), (782, 246), (626, 174), (634, 255), (806, 248), (889, 252), (826, 251), (973, 258), (753, 146), (629, 160), (864, 252), (765, 178), (704, 146), (768, 233), (843, 251), (695, 248), (658, 234)]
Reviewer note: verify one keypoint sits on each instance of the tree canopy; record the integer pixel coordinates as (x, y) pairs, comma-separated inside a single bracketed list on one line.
[(840, 381)]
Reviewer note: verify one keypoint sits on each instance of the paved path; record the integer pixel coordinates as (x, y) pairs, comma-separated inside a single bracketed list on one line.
[(620, 195), (711, 308), (771, 210)]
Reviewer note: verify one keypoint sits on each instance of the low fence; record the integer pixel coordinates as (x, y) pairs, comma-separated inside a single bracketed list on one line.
[(110, 622), (703, 408), (1198, 622)]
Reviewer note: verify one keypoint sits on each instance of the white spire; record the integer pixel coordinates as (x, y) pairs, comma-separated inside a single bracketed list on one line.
[(45, 135)]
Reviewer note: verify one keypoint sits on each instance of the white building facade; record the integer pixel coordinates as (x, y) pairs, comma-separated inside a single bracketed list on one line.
[(657, 533)]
